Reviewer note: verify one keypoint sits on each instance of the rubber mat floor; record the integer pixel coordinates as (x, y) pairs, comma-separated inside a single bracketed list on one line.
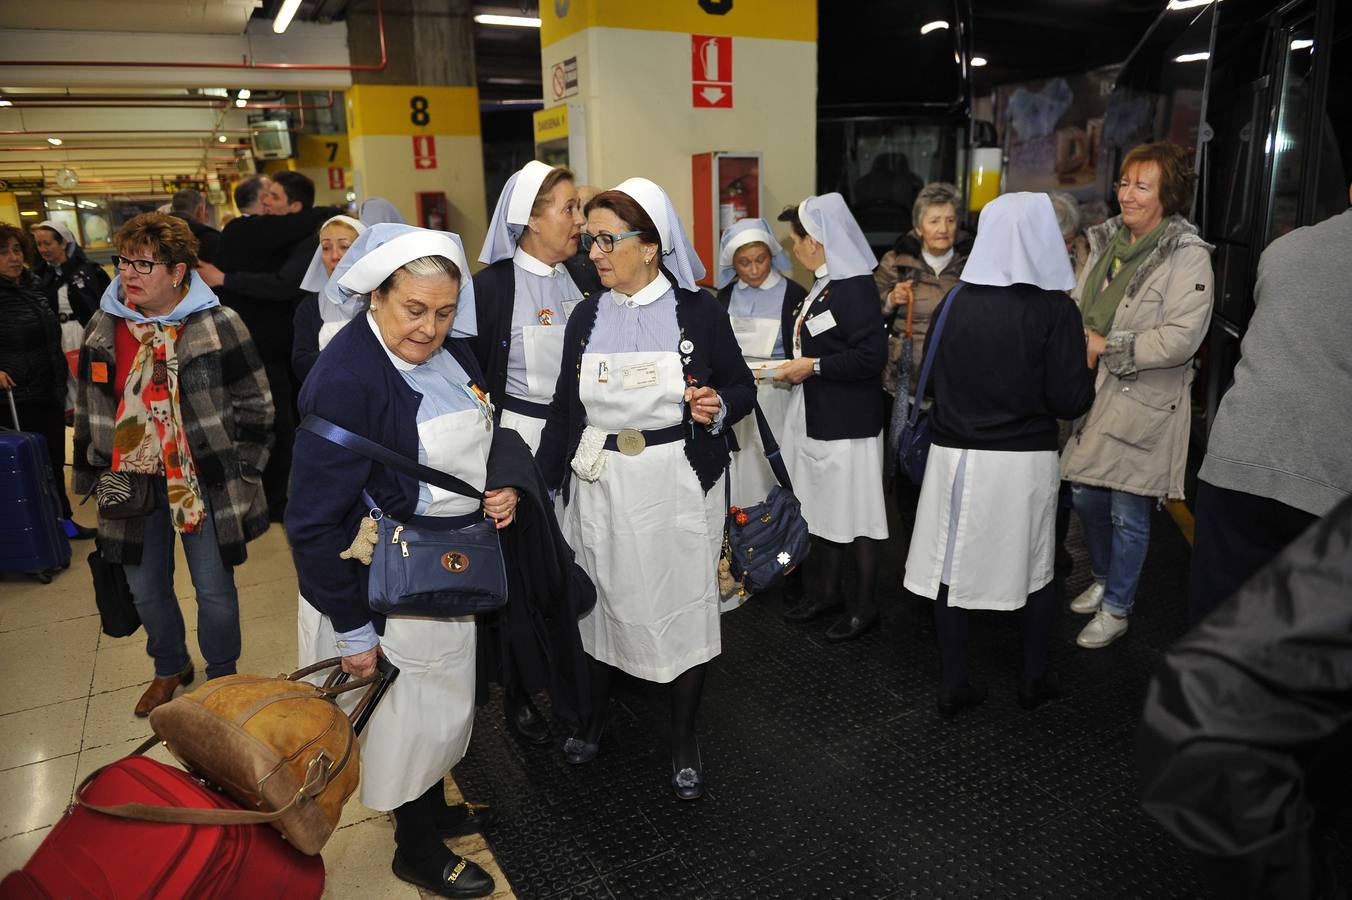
[(830, 774)]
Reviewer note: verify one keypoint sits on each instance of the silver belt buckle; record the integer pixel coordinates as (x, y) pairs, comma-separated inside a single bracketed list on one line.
[(630, 442)]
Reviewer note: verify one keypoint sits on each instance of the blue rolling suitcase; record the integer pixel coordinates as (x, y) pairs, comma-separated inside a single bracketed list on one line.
[(31, 537)]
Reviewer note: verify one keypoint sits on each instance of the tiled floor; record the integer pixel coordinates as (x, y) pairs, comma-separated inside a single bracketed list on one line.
[(68, 693)]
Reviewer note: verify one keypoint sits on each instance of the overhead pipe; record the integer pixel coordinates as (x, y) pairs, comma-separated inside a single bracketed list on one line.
[(158, 64), (66, 148), (96, 101)]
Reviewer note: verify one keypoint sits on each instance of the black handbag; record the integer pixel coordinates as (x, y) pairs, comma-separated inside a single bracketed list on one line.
[(124, 495), (112, 595), (765, 542), (427, 566), (913, 443)]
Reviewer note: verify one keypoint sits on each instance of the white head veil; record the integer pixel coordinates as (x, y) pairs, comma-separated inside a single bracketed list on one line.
[(679, 255), (513, 211), (1019, 242), (377, 210), (748, 231), (384, 248), (827, 220), (62, 229), (315, 276)]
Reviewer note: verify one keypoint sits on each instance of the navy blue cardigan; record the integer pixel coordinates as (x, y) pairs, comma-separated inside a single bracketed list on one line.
[(716, 361), (793, 296), (305, 337), (353, 385), (846, 400)]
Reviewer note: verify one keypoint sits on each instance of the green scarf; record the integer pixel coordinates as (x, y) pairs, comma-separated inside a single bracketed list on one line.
[(1118, 262)]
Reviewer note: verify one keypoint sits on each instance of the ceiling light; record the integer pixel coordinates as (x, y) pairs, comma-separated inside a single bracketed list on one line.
[(516, 21), (241, 103), (55, 142), (221, 138), (284, 15), (978, 61), (1187, 4), (1193, 57), (245, 93), (28, 212), (4, 102), (933, 26), (1302, 44)]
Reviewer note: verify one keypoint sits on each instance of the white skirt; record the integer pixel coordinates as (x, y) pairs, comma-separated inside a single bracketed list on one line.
[(422, 726), (839, 483), (985, 526), (751, 475)]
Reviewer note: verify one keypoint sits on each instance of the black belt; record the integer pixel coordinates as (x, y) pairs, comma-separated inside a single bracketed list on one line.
[(64, 317), (631, 441), (525, 407), (447, 523)]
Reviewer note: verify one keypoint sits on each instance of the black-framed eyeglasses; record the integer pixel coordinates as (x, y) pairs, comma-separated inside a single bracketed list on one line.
[(144, 266), (605, 239)]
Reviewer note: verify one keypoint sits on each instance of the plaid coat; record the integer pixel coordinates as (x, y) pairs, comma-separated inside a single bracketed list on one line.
[(227, 410)]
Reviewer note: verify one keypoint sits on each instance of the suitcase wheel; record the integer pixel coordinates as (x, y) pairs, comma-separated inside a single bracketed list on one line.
[(45, 577)]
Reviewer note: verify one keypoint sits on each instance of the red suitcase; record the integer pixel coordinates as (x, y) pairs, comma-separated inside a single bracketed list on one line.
[(99, 857)]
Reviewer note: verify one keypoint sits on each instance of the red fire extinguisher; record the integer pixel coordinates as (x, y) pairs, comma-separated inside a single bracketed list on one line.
[(732, 205)]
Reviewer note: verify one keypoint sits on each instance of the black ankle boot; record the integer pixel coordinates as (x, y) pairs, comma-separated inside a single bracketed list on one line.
[(954, 700), (524, 720)]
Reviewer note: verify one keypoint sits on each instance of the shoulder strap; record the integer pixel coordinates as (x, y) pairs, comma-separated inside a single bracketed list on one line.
[(771, 447), (931, 348), (387, 457)]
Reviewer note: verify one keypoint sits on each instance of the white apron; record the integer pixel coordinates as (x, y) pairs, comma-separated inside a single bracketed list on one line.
[(839, 483), (544, 358), (751, 475), (645, 531), (985, 525), (422, 726)]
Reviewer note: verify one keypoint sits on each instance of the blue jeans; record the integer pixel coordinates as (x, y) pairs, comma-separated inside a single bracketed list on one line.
[(1117, 530), (152, 588)]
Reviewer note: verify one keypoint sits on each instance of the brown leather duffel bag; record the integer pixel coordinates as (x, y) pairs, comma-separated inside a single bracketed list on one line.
[(280, 746)]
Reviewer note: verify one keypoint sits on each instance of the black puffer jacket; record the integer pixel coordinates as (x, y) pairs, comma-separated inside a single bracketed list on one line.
[(30, 342), (85, 282)]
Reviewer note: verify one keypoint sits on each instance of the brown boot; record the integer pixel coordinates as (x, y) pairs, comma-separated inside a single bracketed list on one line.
[(160, 690)]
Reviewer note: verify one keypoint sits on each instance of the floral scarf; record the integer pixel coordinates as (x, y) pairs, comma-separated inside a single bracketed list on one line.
[(149, 437)]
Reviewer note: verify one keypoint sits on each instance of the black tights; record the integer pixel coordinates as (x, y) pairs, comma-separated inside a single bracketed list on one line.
[(686, 691), (830, 557), (415, 829), (1038, 619)]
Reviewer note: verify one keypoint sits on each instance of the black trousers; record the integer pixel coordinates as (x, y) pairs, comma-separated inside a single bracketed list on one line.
[(48, 420), (277, 474), (1235, 535)]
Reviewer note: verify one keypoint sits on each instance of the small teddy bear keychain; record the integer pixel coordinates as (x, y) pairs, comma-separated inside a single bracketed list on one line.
[(364, 544)]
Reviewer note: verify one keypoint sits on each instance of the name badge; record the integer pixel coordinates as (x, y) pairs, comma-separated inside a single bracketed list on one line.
[(820, 323), (98, 372), (639, 376)]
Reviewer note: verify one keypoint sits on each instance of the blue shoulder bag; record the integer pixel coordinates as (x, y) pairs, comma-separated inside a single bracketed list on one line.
[(914, 442)]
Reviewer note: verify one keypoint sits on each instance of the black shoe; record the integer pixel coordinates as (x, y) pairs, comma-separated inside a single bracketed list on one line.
[(526, 722), (809, 610), (77, 532), (954, 700), (1038, 691), (465, 818), (459, 878), (850, 626), (688, 783), (579, 752)]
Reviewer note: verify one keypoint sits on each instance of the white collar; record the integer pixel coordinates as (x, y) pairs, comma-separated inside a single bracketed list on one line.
[(938, 263), (533, 265), (770, 283), (821, 271), (654, 291), (402, 365)]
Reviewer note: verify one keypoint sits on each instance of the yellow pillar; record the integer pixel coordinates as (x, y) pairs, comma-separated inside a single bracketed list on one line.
[(419, 147)]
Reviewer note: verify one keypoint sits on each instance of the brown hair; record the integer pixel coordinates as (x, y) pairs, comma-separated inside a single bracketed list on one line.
[(9, 233), (168, 238), (1176, 174), (790, 214), (546, 191), (629, 212)]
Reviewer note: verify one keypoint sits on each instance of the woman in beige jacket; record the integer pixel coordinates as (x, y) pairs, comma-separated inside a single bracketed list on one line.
[(1145, 295)]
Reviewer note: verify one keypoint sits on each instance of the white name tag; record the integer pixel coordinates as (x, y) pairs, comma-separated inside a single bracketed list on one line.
[(819, 323), (639, 376), (602, 372)]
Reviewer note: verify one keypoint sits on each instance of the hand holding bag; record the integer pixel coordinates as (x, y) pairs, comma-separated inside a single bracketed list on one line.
[(913, 443), (765, 542), (427, 566)]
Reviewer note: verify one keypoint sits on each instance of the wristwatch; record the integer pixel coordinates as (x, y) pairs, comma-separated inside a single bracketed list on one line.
[(817, 366)]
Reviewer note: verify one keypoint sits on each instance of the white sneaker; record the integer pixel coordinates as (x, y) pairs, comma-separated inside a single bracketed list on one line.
[(1101, 631), (1089, 600)]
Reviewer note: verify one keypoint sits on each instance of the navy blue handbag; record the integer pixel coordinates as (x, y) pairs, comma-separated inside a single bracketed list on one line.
[(913, 444), (765, 542), (427, 566)]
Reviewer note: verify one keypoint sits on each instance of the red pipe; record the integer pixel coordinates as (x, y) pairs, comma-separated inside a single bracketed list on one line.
[(84, 101), (156, 64), (130, 131), (69, 147)]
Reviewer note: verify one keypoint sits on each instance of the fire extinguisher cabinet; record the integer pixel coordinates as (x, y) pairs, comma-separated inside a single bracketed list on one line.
[(727, 189)]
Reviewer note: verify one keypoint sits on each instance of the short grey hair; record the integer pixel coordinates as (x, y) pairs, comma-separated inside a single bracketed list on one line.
[(1067, 211), (422, 267), (936, 193)]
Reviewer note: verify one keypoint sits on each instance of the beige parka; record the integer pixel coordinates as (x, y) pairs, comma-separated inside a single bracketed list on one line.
[(1135, 437)]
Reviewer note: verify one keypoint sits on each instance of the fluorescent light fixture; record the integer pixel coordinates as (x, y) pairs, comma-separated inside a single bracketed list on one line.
[(55, 142), (241, 103), (933, 26), (221, 138), (1187, 4), (244, 93), (4, 102), (978, 61), (1302, 44), (285, 15), (28, 212), (514, 21), (1193, 57)]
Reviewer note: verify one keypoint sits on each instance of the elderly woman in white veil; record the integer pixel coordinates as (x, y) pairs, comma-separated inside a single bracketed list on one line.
[(833, 436), (651, 376), (1008, 360)]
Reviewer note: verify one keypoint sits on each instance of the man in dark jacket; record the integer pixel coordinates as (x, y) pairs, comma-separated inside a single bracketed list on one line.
[(190, 206)]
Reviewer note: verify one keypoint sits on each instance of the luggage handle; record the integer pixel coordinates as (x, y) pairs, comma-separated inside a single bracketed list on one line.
[(13, 410)]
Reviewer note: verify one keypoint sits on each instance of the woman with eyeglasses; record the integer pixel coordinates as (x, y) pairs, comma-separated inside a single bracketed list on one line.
[(652, 376), (173, 422)]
